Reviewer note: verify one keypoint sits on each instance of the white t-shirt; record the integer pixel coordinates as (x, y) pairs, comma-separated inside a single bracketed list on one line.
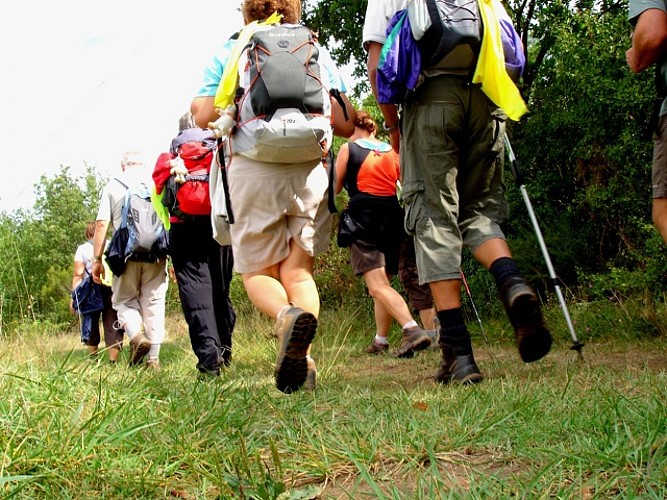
[(84, 253), (378, 15)]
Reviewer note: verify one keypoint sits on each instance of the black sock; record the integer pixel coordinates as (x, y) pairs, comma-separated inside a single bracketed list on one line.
[(453, 330), (505, 271)]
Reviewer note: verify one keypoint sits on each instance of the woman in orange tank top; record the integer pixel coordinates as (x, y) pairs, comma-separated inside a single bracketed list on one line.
[(369, 170)]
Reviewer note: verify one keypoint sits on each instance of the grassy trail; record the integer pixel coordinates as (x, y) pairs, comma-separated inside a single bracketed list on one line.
[(376, 427)]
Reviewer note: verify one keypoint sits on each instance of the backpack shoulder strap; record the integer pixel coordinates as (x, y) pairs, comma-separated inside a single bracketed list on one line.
[(123, 217), (227, 88), (357, 156), (123, 183)]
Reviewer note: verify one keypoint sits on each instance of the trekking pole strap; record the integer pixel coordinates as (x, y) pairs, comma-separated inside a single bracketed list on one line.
[(225, 184)]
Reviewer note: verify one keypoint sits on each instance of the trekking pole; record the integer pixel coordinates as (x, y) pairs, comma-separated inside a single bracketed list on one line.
[(474, 308), (576, 346)]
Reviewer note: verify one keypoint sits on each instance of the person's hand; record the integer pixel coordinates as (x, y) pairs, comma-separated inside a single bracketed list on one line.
[(71, 307), (98, 270)]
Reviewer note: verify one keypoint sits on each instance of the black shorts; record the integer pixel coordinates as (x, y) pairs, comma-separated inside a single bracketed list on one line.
[(365, 257)]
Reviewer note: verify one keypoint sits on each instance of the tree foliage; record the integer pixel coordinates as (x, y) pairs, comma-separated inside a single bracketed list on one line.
[(37, 246), (339, 24), (584, 146)]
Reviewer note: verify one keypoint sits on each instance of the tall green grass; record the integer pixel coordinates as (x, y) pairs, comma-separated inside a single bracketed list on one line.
[(376, 427)]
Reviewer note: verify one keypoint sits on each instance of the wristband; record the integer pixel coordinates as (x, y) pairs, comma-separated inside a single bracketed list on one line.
[(97, 259), (388, 128)]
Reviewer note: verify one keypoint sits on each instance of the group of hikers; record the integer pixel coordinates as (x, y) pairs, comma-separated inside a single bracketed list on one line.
[(264, 119)]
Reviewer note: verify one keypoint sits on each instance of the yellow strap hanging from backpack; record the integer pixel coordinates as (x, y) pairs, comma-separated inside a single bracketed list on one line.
[(161, 211), (490, 70), (229, 81)]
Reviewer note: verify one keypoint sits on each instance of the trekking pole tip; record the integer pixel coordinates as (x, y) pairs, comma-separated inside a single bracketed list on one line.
[(578, 346)]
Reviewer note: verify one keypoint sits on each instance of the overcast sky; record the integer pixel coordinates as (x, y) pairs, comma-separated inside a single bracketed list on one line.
[(83, 81)]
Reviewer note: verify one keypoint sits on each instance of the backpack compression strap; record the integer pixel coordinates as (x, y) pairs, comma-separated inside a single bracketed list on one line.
[(335, 93)]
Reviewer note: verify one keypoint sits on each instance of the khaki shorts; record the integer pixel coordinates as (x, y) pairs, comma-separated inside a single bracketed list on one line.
[(272, 205), (452, 169), (659, 168)]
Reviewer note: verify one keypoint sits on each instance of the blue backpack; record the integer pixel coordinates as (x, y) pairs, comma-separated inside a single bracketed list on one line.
[(87, 297), (141, 235)]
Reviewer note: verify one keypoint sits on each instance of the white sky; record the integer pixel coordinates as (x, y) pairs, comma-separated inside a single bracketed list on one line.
[(83, 81)]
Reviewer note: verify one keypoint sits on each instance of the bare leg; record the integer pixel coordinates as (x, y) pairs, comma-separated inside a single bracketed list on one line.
[(273, 290), (382, 292), (414, 338), (296, 275), (383, 319), (290, 281), (446, 294), (660, 216), (265, 291), (491, 250), (427, 317)]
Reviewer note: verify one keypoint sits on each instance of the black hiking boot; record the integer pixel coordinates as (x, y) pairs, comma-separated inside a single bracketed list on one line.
[(458, 363), (532, 336), (460, 369)]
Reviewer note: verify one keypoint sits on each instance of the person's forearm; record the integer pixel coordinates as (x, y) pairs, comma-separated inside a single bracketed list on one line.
[(649, 40), (341, 126), (203, 111), (100, 237), (77, 275)]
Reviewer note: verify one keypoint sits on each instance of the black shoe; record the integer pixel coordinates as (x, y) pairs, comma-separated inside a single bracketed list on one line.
[(295, 331), (210, 371), (459, 368), (532, 336)]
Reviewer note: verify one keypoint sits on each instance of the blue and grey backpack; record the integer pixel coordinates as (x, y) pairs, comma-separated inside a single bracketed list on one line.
[(141, 235)]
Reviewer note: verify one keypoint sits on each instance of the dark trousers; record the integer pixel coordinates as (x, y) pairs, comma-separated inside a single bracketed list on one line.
[(203, 271), (90, 324)]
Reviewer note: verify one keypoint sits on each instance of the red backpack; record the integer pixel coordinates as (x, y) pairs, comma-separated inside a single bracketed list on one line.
[(186, 190)]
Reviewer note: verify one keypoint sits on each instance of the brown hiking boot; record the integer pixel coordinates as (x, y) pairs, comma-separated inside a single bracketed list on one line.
[(532, 336), (295, 331), (139, 346), (414, 339), (153, 365), (459, 368), (377, 348)]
